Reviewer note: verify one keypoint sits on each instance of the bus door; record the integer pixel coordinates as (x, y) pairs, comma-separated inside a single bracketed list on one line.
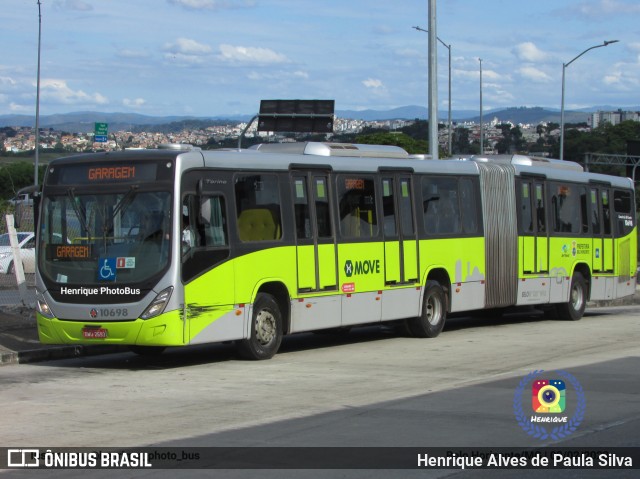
[(535, 244), (595, 213), (315, 236), (607, 231), (602, 229), (400, 246)]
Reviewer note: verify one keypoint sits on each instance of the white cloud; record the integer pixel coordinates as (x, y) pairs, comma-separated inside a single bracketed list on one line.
[(187, 51), (6, 82), (528, 52), (608, 7), (16, 108), (373, 83), (78, 5), (277, 75), (187, 46), (212, 4), (58, 91), (134, 54), (533, 74), (135, 103), (250, 54)]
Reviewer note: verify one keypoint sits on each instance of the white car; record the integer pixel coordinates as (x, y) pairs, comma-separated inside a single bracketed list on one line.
[(27, 244), (24, 199)]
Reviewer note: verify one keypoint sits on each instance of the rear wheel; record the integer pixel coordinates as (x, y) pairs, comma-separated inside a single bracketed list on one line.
[(266, 329), (434, 312), (578, 294)]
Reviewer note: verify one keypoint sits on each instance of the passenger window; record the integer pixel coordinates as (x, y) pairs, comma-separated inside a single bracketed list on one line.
[(388, 208), (526, 216), (595, 212), (623, 206), (541, 219), (203, 223), (323, 213), (606, 212), (469, 201), (258, 207), (440, 206), (566, 205), (301, 208), (406, 208), (356, 197)]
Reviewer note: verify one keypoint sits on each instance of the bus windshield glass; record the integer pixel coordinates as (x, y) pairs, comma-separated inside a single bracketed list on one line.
[(101, 239)]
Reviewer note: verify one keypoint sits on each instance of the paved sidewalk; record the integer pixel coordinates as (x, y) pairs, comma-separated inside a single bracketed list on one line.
[(19, 341)]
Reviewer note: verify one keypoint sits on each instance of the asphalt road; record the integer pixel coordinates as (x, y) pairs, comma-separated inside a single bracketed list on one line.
[(371, 388)]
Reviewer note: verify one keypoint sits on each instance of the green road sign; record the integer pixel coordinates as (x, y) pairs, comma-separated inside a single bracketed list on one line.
[(101, 132)]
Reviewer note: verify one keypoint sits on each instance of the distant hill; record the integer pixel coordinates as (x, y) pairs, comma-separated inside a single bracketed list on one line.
[(83, 121), (534, 115)]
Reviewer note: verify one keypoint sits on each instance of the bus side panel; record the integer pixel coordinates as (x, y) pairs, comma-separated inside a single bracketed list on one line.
[(464, 261), (210, 308), (361, 279)]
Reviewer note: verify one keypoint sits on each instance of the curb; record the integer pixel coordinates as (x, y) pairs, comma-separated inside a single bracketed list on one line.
[(57, 352)]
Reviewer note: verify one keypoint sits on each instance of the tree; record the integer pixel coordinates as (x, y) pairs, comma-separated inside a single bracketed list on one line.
[(397, 139)]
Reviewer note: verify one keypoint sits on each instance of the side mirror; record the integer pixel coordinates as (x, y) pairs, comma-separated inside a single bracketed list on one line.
[(32, 191)]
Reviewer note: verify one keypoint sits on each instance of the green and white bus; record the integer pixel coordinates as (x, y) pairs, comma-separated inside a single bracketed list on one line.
[(178, 246)]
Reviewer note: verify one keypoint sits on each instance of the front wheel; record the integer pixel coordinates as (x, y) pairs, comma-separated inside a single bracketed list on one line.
[(434, 312), (574, 308), (266, 329)]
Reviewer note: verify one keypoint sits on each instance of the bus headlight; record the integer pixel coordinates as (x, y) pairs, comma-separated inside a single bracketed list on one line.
[(43, 308), (157, 305)]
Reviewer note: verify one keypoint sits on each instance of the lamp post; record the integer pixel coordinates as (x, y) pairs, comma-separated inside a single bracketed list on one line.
[(481, 122), (564, 67), (448, 47), (35, 173)]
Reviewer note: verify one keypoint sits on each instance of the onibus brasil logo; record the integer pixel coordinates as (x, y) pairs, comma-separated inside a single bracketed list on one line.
[(549, 404)]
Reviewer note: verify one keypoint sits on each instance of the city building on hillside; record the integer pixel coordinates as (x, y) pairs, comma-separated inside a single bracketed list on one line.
[(613, 117)]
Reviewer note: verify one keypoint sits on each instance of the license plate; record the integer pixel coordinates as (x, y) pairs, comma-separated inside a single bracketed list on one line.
[(94, 333)]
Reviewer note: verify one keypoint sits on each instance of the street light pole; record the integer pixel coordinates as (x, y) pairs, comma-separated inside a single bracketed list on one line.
[(481, 121), (433, 83), (564, 67), (448, 47), (35, 173)]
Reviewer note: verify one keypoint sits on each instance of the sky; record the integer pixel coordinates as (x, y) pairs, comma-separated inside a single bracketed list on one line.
[(221, 57)]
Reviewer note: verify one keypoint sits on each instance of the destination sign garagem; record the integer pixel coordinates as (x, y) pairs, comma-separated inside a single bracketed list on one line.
[(86, 174), (111, 173), (67, 252)]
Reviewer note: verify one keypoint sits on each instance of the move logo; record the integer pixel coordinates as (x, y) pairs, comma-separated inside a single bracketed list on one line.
[(356, 268)]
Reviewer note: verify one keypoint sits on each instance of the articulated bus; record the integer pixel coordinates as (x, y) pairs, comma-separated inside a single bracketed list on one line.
[(178, 246)]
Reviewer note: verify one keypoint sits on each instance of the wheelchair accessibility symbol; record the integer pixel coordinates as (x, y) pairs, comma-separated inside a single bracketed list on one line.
[(107, 269)]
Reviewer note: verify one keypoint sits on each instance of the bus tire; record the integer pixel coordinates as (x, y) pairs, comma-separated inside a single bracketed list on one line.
[(434, 312), (574, 308), (266, 330)]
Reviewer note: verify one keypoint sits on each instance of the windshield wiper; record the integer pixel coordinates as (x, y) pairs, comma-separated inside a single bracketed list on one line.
[(124, 203), (81, 213)]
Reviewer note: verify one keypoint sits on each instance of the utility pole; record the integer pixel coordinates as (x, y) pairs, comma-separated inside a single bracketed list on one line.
[(433, 82), (35, 173), (481, 121)]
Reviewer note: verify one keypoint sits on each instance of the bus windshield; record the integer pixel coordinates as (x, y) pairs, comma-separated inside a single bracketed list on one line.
[(100, 239)]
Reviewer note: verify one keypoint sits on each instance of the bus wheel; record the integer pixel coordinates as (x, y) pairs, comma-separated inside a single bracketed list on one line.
[(434, 312), (266, 329), (574, 308), (147, 350)]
